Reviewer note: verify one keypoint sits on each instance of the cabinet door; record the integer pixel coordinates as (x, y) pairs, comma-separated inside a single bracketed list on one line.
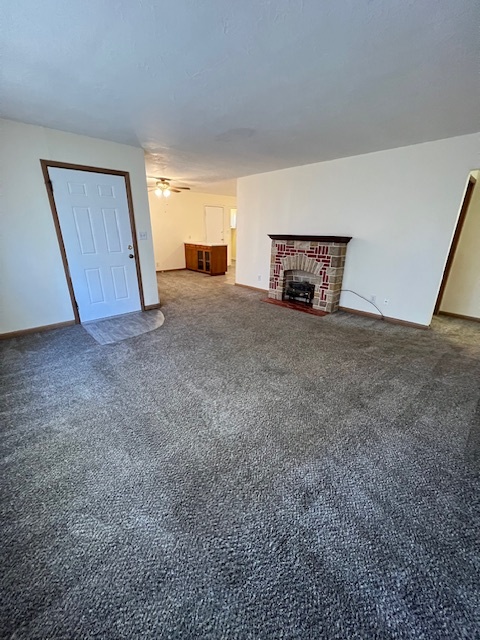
[(207, 261), (190, 257), (200, 260), (218, 261)]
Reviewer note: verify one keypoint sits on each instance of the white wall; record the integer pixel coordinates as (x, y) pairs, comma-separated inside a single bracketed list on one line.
[(462, 291), (33, 286), (400, 206), (179, 219)]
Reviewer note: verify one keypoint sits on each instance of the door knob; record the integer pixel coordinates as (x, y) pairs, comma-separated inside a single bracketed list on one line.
[(130, 255)]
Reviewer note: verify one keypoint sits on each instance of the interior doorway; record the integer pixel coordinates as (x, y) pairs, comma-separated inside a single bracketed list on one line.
[(93, 216), (233, 234), (459, 293)]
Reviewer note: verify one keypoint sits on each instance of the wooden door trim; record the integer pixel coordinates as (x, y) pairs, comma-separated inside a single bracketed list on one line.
[(56, 221), (455, 240), (45, 164)]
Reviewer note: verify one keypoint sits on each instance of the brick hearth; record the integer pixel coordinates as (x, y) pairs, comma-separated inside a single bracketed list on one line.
[(320, 258)]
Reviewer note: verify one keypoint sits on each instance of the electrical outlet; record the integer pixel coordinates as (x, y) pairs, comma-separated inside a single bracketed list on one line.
[(157, 264), (259, 278), (373, 298), (386, 301)]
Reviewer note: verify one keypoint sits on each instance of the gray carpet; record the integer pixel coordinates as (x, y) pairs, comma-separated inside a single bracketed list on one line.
[(128, 325), (246, 472)]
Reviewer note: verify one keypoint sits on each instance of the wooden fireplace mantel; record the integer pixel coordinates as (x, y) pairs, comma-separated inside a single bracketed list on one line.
[(338, 239)]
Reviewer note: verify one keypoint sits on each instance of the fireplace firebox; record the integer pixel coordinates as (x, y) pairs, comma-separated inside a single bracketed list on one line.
[(299, 292), (299, 286)]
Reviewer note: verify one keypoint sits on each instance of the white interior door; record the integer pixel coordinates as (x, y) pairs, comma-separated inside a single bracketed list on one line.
[(214, 225), (95, 223)]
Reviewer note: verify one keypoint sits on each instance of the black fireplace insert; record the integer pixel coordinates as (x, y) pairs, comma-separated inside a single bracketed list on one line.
[(299, 291)]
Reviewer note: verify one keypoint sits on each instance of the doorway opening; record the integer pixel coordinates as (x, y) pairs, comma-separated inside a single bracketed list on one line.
[(93, 215), (217, 230), (233, 235), (459, 293)]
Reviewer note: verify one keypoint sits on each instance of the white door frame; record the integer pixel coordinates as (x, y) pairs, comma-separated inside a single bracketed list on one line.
[(45, 164)]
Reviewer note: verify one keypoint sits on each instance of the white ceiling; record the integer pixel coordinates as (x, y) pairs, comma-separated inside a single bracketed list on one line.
[(218, 89)]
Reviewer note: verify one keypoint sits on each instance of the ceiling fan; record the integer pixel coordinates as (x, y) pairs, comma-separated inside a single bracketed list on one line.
[(163, 188)]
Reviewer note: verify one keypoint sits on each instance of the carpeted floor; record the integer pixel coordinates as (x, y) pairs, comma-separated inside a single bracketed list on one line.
[(245, 471)]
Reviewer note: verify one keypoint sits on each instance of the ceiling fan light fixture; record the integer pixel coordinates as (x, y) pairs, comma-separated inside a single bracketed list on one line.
[(162, 187)]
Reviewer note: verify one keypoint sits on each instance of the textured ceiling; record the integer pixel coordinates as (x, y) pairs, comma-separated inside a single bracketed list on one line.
[(219, 89)]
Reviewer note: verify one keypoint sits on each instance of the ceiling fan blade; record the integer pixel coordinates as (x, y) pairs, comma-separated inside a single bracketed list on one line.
[(185, 188), (175, 190), (158, 179)]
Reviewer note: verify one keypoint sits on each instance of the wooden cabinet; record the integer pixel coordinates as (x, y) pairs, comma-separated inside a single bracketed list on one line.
[(211, 259)]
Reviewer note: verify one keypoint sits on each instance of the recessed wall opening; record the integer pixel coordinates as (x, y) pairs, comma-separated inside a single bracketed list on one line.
[(299, 286)]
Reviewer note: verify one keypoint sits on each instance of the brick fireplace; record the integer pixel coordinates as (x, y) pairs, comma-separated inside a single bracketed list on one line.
[(318, 260)]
